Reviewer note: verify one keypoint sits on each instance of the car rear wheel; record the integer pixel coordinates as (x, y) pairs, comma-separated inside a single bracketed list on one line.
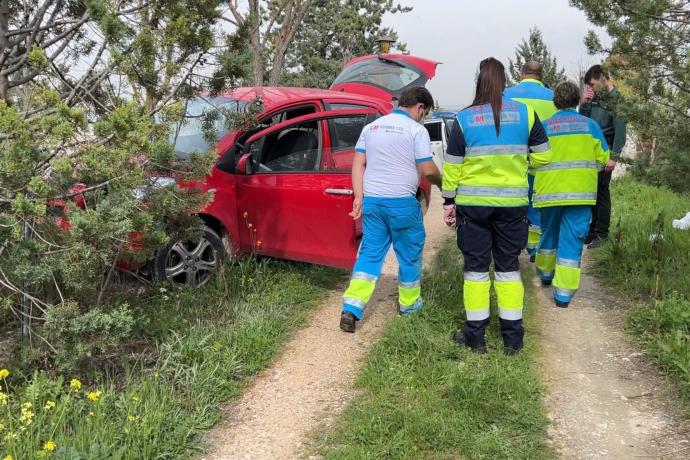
[(191, 262)]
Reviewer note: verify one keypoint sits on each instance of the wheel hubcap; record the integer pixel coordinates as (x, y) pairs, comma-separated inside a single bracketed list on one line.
[(191, 263)]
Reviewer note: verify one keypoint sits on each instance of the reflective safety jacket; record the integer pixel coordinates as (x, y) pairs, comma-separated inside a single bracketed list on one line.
[(534, 94), (485, 169), (579, 152)]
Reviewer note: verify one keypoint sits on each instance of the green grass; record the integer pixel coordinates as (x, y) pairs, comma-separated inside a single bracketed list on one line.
[(210, 342), (662, 327), (421, 396), (630, 263)]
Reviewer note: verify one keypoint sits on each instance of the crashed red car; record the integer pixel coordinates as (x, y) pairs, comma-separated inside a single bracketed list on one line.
[(282, 187)]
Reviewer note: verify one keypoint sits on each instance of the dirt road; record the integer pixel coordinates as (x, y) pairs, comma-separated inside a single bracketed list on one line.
[(311, 381), (604, 400)]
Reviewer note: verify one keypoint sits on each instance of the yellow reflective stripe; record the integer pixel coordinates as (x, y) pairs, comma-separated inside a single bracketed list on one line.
[(448, 193), (360, 289), (510, 295), (476, 276), (452, 173), (453, 159), (567, 277), (408, 296), (540, 148), (497, 202), (476, 295), (508, 276), (512, 315)]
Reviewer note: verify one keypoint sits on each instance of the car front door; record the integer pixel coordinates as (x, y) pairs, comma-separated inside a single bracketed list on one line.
[(295, 195)]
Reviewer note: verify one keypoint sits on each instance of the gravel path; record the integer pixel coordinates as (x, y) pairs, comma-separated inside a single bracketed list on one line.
[(604, 399), (311, 382)]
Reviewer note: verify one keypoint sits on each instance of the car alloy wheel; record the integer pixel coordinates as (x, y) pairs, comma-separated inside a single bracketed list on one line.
[(191, 262)]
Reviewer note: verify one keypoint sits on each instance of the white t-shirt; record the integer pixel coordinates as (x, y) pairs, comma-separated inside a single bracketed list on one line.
[(393, 144)]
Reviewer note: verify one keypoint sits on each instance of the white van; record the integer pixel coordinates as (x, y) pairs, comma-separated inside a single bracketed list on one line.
[(438, 124)]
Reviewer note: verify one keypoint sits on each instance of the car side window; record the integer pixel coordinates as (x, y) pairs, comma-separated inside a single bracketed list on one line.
[(344, 133), (435, 133), (297, 148)]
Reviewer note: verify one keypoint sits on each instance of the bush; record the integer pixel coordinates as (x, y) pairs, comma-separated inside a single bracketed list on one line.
[(671, 168), (77, 336)]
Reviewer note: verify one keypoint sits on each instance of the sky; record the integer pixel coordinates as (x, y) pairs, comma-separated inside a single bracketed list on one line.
[(460, 33)]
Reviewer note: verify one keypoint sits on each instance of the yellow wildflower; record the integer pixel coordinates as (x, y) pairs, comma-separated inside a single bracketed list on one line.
[(75, 384), (131, 418), (8, 457), (90, 414), (4, 373), (27, 417), (94, 395), (2, 427), (3, 398), (135, 398), (49, 405), (27, 405), (49, 446)]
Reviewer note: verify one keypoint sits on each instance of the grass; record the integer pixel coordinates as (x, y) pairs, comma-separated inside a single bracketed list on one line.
[(210, 342), (421, 396), (661, 326)]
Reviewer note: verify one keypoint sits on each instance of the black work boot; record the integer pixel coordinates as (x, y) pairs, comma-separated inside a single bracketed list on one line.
[(597, 242), (347, 322), (513, 334), (459, 338), (560, 304)]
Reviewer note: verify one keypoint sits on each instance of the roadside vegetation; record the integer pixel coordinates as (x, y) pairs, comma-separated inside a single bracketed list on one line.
[(155, 396), (422, 396), (650, 261)]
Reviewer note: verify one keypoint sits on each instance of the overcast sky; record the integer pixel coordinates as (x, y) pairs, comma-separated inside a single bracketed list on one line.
[(460, 33)]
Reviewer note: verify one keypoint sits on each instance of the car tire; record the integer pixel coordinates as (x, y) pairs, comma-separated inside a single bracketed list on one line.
[(190, 262)]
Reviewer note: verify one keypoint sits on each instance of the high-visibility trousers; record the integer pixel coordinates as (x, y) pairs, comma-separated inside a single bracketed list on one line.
[(564, 229), (386, 221), (534, 218), (486, 233)]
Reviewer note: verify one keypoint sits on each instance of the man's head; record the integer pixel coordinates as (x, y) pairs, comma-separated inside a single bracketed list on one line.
[(417, 101), (597, 77), (531, 70), (566, 95)]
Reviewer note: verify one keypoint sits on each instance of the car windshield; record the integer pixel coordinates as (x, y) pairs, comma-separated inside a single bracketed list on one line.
[(188, 136), (388, 75)]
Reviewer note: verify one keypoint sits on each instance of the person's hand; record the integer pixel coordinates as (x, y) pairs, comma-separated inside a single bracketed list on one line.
[(610, 166), (588, 94), (356, 208), (449, 214)]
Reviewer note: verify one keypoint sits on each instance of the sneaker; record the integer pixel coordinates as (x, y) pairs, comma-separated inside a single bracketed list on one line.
[(459, 338), (347, 322), (560, 304), (512, 351), (546, 282), (590, 238), (597, 242), (413, 309)]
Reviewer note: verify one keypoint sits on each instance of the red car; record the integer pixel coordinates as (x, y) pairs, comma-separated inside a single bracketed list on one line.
[(282, 188)]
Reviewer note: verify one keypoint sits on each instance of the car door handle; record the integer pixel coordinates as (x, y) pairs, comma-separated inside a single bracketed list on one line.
[(339, 191)]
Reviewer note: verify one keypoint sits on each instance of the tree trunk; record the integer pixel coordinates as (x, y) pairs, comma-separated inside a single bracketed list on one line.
[(4, 45), (255, 43), (294, 14)]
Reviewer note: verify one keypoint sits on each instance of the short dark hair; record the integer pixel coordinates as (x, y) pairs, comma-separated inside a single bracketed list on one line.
[(566, 95), (595, 72), (416, 95), (532, 68)]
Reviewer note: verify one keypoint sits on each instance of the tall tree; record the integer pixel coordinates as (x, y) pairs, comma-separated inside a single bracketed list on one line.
[(534, 49), (649, 57), (272, 26), (334, 31)]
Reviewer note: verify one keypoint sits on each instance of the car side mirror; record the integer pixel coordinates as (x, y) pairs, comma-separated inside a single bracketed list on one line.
[(245, 165)]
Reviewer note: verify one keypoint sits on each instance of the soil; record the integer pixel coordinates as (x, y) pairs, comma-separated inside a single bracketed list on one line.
[(605, 400), (312, 380)]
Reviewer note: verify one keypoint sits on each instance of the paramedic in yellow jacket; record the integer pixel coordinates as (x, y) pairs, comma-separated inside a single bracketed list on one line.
[(491, 144), (566, 190)]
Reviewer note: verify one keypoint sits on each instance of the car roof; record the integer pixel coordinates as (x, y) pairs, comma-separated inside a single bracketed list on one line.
[(272, 96)]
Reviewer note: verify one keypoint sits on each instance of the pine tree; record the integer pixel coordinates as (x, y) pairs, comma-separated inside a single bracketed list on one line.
[(534, 49)]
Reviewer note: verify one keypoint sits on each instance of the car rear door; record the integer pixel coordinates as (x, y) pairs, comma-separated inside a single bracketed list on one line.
[(295, 202), (384, 76)]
